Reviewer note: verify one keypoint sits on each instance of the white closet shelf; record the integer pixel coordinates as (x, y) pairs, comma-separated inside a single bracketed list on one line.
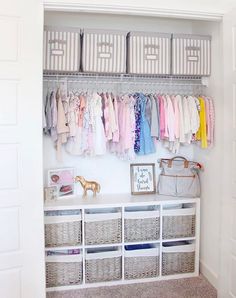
[(126, 79), (119, 244), (114, 200)]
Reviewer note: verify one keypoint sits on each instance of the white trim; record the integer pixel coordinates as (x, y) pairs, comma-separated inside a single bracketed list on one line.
[(147, 252), (61, 219), (179, 212), (53, 248), (133, 10), (210, 275), (64, 258), (103, 254), (141, 214), (101, 216), (179, 248)]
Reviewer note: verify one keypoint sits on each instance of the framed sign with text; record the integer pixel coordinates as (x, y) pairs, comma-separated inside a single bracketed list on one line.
[(142, 178)]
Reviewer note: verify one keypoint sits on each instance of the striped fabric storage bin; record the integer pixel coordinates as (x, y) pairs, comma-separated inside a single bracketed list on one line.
[(62, 49), (104, 51), (191, 55), (149, 53)]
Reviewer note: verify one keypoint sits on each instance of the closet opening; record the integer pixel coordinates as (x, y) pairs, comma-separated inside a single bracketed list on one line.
[(112, 171)]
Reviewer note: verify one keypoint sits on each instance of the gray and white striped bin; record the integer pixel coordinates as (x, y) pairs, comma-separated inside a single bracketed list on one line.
[(104, 51), (62, 49), (149, 53), (191, 55)]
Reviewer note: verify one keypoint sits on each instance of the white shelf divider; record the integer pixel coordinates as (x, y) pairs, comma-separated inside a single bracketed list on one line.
[(83, 244), (123, 242), (160, 248), (197, 236)]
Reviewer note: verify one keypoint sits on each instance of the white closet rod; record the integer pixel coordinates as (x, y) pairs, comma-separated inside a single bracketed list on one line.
[(120, 76)]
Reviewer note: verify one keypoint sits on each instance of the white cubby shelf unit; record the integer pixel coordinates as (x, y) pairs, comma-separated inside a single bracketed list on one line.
[(170, 226)]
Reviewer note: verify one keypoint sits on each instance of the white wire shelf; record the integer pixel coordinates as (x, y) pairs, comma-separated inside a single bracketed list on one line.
[(91, 78)]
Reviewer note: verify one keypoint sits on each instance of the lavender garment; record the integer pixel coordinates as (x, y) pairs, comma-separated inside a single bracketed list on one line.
[(137, 110), (148, 109)]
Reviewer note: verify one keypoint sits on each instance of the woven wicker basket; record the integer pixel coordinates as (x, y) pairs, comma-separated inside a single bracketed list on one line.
[(142, 226), (100, 231), (103, 266), (142, 264), (175, 261), (63, 271), (179, 223), (62, 230)]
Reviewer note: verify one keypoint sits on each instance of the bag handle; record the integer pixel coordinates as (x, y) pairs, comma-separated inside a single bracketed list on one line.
[(178, 157), (186, 162), (170, 161)]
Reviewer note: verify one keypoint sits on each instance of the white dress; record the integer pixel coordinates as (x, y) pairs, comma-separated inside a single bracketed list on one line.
[(73, 145), (99, 138)]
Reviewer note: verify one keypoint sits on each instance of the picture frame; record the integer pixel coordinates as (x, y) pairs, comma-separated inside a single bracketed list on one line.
[(50, 194), (63, 180), (142, 178)]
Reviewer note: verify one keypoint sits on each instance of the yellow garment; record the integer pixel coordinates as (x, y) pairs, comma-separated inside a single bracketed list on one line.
[(202, 134)]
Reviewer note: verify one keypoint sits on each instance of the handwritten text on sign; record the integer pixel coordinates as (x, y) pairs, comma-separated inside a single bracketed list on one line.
[(143, 179)]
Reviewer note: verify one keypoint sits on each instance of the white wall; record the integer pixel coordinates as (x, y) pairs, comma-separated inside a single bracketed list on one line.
[(211, 159), (113, 174), (101, 21)]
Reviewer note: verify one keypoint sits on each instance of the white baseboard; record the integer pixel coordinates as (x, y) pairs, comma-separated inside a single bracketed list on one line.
[(209, 274)]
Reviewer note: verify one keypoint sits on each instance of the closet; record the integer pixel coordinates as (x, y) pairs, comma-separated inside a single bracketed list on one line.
[(190, 82), (26, 155)]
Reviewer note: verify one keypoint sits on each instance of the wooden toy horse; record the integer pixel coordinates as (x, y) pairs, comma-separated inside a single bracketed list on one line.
[(88, 185)]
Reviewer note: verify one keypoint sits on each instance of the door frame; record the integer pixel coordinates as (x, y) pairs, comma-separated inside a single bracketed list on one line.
[(76, 6)]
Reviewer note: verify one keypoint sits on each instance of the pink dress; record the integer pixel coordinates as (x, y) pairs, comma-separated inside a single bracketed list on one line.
[(116, 133)]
